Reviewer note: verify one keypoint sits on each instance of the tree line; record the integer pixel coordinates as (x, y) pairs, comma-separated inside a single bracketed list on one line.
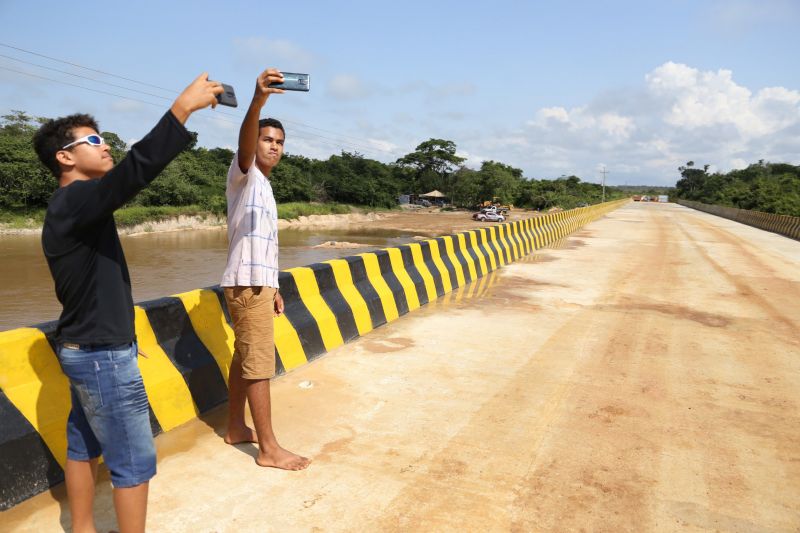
[(197, 177), (762, 186)]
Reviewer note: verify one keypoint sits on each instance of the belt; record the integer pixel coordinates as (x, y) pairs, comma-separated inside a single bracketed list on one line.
[(88, 347)]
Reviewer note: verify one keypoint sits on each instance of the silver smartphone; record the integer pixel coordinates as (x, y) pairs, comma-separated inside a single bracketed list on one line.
[(293, 81)]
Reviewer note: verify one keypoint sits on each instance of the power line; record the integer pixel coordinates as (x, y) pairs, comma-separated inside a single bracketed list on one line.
[(87, 68), (105, 73), (300, 133), (83, 77), (80, 86)]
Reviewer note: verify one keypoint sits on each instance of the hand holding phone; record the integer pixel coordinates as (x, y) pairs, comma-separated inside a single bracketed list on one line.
[(293, 81), (201, 93), (227, 97), (265, 81)]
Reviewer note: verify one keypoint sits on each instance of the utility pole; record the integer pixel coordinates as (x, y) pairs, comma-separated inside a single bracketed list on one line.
[(604, 172)]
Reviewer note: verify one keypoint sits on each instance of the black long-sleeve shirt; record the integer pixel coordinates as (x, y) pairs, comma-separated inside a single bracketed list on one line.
[(82, 247)]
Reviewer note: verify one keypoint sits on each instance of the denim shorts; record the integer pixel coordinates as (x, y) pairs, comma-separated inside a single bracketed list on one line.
[(110, 413)]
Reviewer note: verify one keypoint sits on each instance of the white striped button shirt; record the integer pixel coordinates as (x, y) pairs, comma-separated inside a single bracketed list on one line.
[(252, 229)]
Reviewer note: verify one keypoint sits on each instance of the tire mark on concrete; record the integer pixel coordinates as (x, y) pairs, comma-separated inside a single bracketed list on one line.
[(743, 287)]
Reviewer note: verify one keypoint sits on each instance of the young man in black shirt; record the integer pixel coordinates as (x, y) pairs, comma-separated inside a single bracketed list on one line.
[(95, 335)]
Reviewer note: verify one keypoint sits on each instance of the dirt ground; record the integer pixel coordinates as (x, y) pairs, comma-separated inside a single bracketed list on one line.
[(642, 375), (423, 222), (431, 222)]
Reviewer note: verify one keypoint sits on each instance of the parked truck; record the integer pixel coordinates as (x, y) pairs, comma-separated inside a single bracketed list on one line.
[(497, 203)]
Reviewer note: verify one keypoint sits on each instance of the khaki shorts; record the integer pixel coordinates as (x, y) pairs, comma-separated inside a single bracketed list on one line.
[(251, 310)]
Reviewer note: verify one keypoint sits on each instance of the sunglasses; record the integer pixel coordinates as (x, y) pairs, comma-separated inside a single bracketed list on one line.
[(93, 139)]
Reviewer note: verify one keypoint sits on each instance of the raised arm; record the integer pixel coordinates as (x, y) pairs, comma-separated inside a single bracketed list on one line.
[(248, 133), (200, 94), (148, 157)]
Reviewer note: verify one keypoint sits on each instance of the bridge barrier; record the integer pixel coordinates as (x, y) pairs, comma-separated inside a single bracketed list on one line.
[(187, 341), (785, 225)]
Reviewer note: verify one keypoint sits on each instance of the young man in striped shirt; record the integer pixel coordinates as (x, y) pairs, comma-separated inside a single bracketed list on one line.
[(250, 281)]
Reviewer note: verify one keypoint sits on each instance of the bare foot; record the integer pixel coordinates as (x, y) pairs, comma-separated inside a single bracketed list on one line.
[(284, 459), (241, 435)]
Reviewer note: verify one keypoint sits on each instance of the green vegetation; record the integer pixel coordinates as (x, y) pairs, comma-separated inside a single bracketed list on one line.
[(648, 190), (765, 187), (139, 214), (194, 183), (23, 218)]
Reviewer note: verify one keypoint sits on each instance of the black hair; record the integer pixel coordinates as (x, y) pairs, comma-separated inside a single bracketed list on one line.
[(271, 123), (55, 133)]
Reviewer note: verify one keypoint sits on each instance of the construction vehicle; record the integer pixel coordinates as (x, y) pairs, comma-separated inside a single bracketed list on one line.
[(496, 202)]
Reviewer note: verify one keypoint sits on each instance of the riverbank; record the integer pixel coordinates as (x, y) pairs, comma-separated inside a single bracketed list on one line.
[(424, 222), (211, 221), (139, 219)]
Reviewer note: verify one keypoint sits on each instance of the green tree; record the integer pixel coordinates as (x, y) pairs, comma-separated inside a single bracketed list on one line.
[(169, 188), (24, 182), (467, 187), (351, 178), (290, 184), (693, 182), (117, 145), (501, 180), (433, 162), (763, 186)]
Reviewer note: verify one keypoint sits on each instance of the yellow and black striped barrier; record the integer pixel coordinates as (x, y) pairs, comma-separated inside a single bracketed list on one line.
[(188, 340), (785, 225)]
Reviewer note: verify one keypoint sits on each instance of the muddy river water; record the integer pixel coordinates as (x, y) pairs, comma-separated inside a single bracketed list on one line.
[(161, 264)]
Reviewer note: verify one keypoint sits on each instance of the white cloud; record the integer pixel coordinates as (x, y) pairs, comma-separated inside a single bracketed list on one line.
[(558, 114), (471, 160), (698, 99), (644, 133), (279, 52), (582, 118), (382, 145), (347, 87)]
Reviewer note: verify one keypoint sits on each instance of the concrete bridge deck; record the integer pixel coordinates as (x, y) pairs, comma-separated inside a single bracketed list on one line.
[(643, 377)]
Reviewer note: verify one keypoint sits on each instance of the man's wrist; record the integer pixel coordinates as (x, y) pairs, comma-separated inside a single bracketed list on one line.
[(259, 100), (180, 111)]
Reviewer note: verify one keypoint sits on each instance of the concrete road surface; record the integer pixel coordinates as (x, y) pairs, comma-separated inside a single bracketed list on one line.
[(644, 376)]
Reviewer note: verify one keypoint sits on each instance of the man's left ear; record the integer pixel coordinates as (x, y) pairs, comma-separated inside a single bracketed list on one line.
[(64, 158)]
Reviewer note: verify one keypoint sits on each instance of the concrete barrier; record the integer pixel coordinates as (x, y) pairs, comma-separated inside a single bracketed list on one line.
[(188, 341), (785, 225)]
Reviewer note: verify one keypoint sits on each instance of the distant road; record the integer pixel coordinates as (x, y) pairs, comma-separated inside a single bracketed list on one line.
[(643, 376)]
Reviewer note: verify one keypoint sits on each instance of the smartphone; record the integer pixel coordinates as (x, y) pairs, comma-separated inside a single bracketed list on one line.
[(227, 97), (294, 82)]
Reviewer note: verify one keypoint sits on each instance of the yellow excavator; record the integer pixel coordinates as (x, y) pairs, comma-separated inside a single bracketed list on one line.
[(495, 201)]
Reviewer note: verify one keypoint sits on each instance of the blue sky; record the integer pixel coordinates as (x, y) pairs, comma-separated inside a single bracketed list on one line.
[(552, 88)]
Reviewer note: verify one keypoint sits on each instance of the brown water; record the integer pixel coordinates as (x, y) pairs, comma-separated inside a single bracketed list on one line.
[(160, 264)]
